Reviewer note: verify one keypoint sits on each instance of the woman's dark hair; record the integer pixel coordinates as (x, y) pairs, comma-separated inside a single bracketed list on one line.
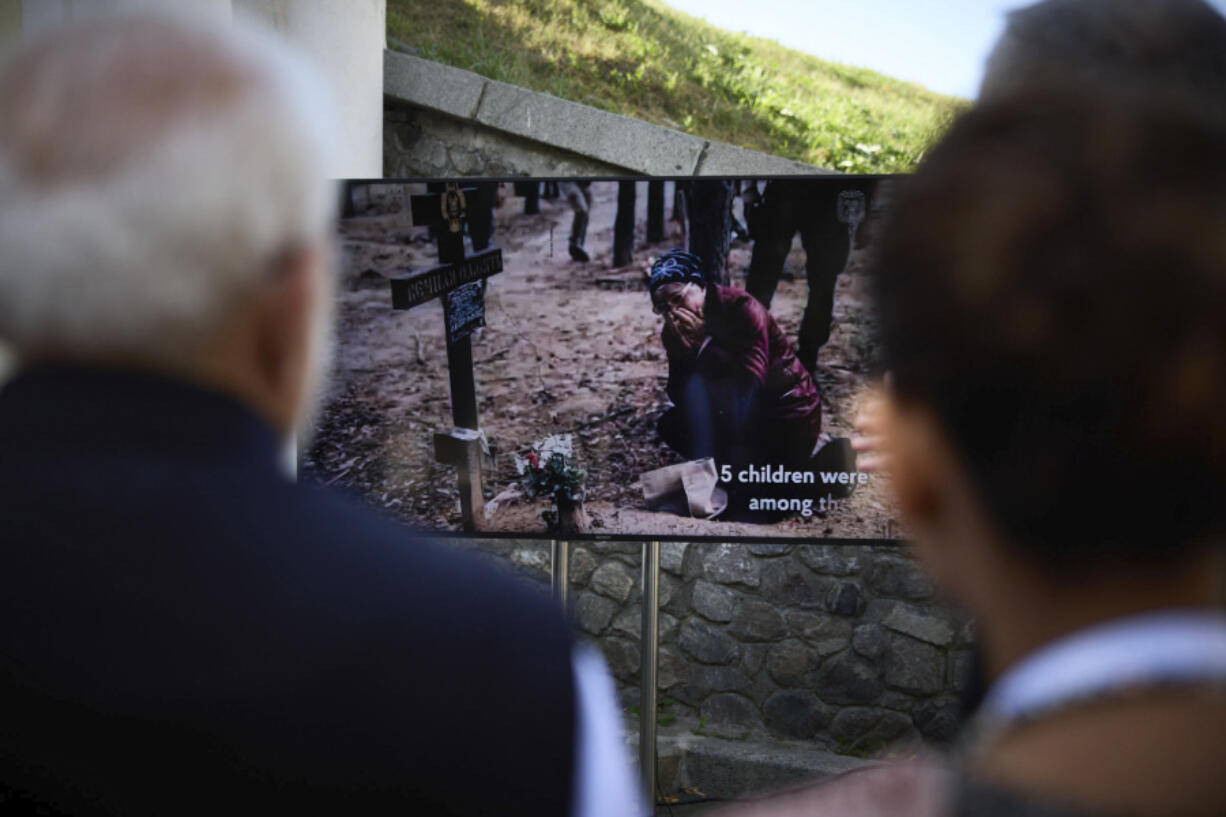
[(1052, 287)]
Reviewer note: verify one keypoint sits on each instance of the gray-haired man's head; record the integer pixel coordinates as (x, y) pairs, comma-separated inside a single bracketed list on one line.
[(162, 204)]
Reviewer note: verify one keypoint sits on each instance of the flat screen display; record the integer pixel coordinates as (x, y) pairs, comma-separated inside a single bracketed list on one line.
[(606, 358)]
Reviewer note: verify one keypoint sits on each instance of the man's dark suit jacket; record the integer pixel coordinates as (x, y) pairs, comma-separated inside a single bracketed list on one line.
[(183, 630)]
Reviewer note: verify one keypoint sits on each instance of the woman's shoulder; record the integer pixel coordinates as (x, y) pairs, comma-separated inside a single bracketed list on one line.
[(736, 296), (737, 308)]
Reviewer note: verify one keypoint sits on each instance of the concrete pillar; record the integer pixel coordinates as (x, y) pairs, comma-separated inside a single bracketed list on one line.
[(345, 40), (39, 14)]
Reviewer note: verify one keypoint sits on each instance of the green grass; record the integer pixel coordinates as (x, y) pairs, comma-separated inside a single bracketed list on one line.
[(664, 714), (860, 747), (642, 59)]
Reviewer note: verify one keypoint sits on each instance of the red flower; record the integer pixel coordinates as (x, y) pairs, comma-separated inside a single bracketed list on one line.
[(534, 459)]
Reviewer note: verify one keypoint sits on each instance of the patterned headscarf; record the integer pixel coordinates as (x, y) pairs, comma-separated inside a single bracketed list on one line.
[(676, 266)]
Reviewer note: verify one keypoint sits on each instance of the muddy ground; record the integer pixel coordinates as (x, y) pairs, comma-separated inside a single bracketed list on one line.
[(568, 348)]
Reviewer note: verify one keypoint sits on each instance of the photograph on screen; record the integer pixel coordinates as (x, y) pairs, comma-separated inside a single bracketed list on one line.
[(676, 359)]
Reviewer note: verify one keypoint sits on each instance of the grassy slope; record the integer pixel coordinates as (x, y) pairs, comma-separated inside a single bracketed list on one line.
[(643, 59)]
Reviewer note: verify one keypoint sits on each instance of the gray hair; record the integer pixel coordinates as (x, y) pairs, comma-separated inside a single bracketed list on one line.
[(153, 170)]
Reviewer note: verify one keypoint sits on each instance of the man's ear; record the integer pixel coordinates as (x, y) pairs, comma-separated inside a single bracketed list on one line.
[(935, 499), (283, 341)]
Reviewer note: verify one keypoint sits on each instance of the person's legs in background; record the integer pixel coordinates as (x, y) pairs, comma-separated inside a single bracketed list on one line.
[(827, 243), (481, 215), (580, 200), (774, 226)]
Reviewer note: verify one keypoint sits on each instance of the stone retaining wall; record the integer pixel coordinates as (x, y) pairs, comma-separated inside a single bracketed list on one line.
[(841, 644), (445, 121)]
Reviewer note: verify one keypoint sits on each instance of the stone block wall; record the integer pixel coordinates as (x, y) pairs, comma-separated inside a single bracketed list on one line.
[(421, 143), (841, 644), (443, 121)]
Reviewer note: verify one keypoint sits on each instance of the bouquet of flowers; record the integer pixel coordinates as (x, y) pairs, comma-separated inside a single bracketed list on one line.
[(548, 470)]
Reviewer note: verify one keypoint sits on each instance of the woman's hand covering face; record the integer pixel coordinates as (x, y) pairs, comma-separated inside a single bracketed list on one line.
[(682, 307), (689, 327)]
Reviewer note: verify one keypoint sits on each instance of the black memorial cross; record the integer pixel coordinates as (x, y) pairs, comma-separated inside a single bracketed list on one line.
[(459, 279)]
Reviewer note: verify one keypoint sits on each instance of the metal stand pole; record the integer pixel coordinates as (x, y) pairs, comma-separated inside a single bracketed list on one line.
[(560, 574), (648, 671)]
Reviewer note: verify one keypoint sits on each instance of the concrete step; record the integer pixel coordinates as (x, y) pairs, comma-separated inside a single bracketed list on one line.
[(737, 765)]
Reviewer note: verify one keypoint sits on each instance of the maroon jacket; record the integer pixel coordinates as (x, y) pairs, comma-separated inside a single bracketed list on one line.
[(746, 344)]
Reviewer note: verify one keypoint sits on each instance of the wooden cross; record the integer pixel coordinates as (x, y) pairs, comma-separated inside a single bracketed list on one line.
[(458, 279)]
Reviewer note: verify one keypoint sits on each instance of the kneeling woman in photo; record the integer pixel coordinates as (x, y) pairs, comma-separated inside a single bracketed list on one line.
[(739, 393)]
